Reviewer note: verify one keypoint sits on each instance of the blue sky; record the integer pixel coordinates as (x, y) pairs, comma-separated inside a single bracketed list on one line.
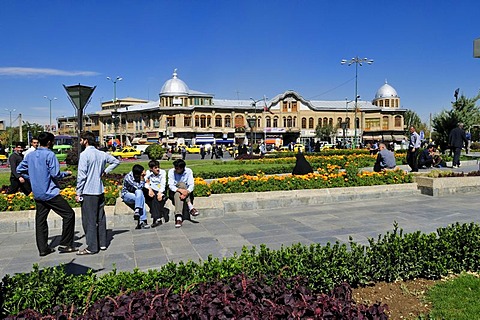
[(232, 49)]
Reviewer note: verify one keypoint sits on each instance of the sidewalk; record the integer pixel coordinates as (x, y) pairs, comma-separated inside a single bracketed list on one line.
[(221, 237)]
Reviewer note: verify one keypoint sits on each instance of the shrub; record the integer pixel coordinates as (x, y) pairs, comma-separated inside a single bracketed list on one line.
[(154, 151)]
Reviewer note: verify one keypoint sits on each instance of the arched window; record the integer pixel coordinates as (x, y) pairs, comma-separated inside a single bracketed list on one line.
[(289, 122), (275, 122), (209, 121), (218, 121), (398, 121), (310, 123), (347, 120), (330, 122), (385, 123), (319, 122), (304, 123), (203, 121), (268, 121), (325, 122), (228, 122), (259, 122), (284, 122), (339, 122), (197, 121)]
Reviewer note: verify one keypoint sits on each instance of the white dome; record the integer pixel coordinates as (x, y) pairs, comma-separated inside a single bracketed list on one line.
[(174, 87), (386, 91)]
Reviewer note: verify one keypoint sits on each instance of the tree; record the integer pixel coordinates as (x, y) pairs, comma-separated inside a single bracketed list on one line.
[(324, 133), (411, 118), (463, 110)]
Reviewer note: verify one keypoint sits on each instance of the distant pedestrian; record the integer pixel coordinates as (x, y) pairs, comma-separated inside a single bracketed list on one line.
[(413, 147), (302, 166), (202, 151), (183, 150), (457, 139), (43, 170), (17, 182), (90, 192)]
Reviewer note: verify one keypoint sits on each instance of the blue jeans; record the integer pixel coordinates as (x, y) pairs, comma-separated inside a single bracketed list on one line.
[(137, 198)]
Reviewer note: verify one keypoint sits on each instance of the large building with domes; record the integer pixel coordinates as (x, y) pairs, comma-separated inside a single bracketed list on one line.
[(185, 116)]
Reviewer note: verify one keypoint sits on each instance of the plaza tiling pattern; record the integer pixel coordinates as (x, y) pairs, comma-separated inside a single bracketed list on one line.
[(221, 237)]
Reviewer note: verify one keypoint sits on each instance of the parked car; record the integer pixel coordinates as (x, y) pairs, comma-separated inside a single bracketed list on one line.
[(125, 153), (141, 147), (61, 151), (3, 159)]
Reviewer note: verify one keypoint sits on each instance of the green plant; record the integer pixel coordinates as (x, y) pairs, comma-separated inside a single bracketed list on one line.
[(155, 151)]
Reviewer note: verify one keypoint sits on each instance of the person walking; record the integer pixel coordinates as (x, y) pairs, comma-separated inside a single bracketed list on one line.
[(413, 147), (43, 170), (181, 185), (17, 182), (90, 192), (457, 139)]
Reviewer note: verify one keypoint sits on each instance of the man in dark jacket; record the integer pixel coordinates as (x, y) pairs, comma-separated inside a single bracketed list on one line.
[(16, 180), (456, 140)]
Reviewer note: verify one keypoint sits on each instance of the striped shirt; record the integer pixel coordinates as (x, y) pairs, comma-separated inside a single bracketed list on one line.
[(91, 167)]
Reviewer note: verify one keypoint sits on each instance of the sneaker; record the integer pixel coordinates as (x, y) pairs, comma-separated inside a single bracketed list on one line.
[(194, 212), (136, 214), (142, 225), (157, 223), (178, 223)]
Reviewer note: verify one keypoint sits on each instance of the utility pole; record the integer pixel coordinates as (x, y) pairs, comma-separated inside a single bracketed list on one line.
[(20, 129)]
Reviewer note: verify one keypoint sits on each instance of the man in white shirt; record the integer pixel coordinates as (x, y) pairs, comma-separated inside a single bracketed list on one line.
[(155, 182), (33, 147), (181, 185)]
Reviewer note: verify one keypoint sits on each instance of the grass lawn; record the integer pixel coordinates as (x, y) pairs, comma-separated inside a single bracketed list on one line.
[(457, 298)]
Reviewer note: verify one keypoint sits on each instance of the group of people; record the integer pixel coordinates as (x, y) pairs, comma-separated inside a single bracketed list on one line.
[(40, 169)]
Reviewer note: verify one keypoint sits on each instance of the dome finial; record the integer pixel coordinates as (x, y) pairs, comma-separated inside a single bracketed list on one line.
[(385, 80), (175, 73)]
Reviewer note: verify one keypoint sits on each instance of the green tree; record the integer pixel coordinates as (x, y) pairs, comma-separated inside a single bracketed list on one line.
[(411, 118), (463, 110), (324, 133)]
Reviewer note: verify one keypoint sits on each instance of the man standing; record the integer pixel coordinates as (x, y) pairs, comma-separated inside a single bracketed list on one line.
[(456, 140), (33, 147), (43, 170), (90, 191), (413, 146), (16, 180), (181, 185)]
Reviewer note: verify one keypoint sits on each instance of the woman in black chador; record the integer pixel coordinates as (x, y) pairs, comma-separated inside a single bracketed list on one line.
[(301, 165)]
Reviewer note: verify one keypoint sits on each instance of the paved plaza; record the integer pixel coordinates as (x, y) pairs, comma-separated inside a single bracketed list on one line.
[(221, 237)]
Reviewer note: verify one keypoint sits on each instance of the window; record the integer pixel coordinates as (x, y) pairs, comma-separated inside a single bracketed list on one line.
[(203, 121), (218, 121), (398, 121), (197, 121), (259, 122), (339, 122), (387, 103), (294, 106), (285, 106), (372, 124), (325, 122), (347, 120), (330, 122), (171, 121), (289, 122), (228, 122), (275, 122), (268, 122), (304, 123), (284, 122), (319, 122), (209, 121), (310, 123), (385, 123), (187, 121)]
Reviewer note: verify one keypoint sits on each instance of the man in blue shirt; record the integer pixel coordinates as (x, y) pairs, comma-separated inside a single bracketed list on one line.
[(43, 170), (133, 194), (412, 152), (181, 185), (90, 191)]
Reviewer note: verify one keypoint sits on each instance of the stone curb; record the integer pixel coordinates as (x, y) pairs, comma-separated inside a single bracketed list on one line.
[(219, 205)]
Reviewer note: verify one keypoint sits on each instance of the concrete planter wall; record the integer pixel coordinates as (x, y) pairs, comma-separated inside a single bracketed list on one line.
[(447, 185)]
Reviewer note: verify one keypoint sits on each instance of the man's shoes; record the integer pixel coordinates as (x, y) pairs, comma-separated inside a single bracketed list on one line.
[(454, 166), (178, 223), (67, 249), (142, 225), (194, 212), (136, 214), (103, 248), (157, 223), (47, 252), (85, 252)]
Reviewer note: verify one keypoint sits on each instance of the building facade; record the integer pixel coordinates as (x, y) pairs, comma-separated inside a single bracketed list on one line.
[(185, 116)]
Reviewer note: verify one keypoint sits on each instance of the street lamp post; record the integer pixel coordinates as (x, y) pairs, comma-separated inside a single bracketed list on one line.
[(115, 123), (254, 105), (50, 100), (11, 129), (357, 61)]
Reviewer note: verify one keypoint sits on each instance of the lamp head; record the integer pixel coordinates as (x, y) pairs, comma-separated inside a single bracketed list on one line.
[(343, 61), (108, 78), (119, 79)]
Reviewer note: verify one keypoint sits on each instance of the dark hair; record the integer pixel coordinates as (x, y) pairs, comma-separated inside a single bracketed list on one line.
[(45, 137), (153, 163), (179, 163), (137, 171), (89, 136)]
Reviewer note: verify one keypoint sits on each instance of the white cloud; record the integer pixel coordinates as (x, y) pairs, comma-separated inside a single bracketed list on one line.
[(22, 72)]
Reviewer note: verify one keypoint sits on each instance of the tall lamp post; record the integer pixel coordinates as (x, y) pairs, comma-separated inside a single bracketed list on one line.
[(50, 100), (11, 129), (254, 105), (358, 62), (115, 123)]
